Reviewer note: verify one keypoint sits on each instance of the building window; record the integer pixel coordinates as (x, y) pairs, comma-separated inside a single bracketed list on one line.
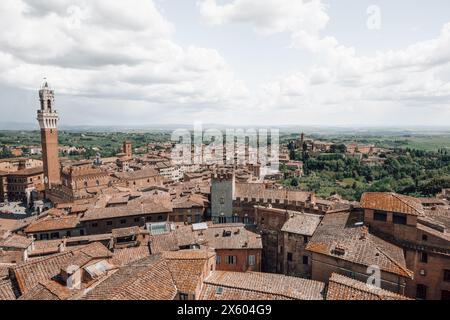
[(231, 259), (55, 235), (137, 219), (421, 292), (217, 259), (123, 221), (184, 296), (423, 257), (222, 200), (82, 232), (380, 216), (222, 219), (94, 225), (305, 259), (305, 239), (447, 275), (289, 256), (424, 237), (251, 260), (445, 295), (399, 219), (109, 223), (160, 218)]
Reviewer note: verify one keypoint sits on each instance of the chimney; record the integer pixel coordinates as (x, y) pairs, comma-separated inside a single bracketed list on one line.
[(71, 276), (62, 246)]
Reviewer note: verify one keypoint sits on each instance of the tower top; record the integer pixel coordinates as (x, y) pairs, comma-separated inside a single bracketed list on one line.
[(45, 84)]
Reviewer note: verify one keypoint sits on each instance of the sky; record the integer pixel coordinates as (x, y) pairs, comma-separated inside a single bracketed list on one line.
[(239, 62)]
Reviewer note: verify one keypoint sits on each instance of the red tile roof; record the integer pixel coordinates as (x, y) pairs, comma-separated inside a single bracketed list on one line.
[(224, 285), (30, 274), (53, 224), (392, 202), (343, 288), (338, 237)]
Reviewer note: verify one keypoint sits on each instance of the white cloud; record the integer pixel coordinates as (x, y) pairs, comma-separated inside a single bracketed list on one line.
[(110, 49), (342, 80)]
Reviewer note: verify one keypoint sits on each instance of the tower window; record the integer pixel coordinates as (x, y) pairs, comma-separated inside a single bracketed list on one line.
[(423, 257), (421, 292), (399, 219)]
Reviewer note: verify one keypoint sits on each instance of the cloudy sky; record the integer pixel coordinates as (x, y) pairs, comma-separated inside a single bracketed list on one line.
[(297, 62)]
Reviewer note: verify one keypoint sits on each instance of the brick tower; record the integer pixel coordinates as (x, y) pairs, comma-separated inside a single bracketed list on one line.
[(127, 148), (48, 121)]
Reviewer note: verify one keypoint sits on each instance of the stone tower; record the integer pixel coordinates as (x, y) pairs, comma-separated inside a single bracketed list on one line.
[(127, 148), (48, 121), (222, 195)]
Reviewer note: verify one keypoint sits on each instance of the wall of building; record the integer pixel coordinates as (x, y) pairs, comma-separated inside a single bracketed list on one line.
[(102, 226), (430, 274), (242, 260), (323, 266), (295, 244), (222, 193)]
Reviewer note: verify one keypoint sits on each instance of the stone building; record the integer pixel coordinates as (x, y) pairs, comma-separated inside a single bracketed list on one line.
[(139, 179), (79, 181), (222, 195), (297, 232), (422, 233), (342, 244), (19, 185)]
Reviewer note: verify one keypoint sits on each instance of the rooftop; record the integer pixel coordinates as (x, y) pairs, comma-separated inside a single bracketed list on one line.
[(224, 285), (302, 223), (392, 202), (52, 224), (340, 236), (344, 288), (31, 273)]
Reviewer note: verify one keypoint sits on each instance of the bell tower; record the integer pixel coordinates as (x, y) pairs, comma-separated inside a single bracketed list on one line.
[(48, 122)]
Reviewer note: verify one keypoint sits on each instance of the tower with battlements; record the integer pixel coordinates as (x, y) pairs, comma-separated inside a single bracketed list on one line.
[(48, 118)]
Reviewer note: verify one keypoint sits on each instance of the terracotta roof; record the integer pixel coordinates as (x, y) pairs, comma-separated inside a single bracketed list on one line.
[(259, 191), (163, 242), (7, 291), (188, 202), (49, 290), (30, 274), (129, 210), (125, 232), (126, 256), (16, 241), (136, 175), (229, 236), (53, 224), (4, 270), (146, 279), (392, 202), (343, 288), (302, 223), (338, 236), (188, 268), (223, 236), (28, 172), (224, 285)]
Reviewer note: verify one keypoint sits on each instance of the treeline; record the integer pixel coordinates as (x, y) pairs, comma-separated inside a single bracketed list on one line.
[(406, 171)]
